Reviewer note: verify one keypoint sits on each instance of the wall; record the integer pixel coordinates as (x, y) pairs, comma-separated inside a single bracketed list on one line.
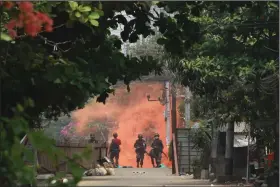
[(239, 158)]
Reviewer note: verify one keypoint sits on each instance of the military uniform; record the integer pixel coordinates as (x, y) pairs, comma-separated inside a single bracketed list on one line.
[(140, 149), (155, 153)]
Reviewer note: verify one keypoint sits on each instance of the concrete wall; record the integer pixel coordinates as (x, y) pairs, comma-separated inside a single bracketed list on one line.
[(239, 156)]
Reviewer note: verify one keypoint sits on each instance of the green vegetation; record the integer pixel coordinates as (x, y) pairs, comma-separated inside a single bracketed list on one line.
[(227, 51)]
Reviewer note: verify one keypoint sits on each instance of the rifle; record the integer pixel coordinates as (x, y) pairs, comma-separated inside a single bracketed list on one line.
[(162, 153), (140, 148), (147, 153)]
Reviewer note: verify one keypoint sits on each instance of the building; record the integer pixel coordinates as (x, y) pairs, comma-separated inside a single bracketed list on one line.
[(239, 153)]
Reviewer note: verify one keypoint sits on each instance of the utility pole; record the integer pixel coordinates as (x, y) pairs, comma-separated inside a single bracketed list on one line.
[(167, 112), (229, 149), (187, 107), (248, 155), (165, 100), (214, 147), (174, 125)]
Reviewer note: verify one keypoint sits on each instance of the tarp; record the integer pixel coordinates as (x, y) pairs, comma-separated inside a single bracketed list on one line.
[(242, 141)]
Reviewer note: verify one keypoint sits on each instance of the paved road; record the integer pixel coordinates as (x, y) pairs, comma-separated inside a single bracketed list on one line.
[(136, 177), (129, 177)]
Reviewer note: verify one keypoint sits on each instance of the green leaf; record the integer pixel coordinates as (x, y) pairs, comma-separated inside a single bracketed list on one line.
[(100, 12), (4, 36), (76, 170), (73, 5), (93, 15), (41, 142), (82, 60), (272, 5), (84, 8), (57, 81), (99, 5), (83, 19), (20, 108), (78, 14), (94, 22)]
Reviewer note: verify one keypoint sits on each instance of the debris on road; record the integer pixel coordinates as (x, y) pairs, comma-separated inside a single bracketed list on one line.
[(106, 169)]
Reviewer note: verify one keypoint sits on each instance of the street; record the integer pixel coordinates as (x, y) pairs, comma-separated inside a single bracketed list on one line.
[(144, 177), (140, 177)]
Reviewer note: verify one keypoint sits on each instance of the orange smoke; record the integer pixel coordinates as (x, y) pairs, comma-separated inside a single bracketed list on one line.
[(134, 114)]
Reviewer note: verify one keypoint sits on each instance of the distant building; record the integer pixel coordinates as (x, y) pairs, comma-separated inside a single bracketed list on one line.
[(240, 150)]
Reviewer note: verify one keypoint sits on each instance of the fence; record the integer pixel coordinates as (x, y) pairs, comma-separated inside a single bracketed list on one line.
[(70, 148), (186, 153)]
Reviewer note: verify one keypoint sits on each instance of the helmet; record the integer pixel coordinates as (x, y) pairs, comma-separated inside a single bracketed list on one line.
[(115, 135), (140, 136), (156, 135)]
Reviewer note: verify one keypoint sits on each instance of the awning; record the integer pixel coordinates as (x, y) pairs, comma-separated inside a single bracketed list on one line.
[(242, 141)]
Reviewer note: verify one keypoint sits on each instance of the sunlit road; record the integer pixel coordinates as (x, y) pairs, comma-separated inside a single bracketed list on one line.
[(132, 177), (152, 177)]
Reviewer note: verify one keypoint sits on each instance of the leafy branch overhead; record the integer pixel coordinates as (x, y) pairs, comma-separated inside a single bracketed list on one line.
[(85, 13), (233, 49), (54, 56), (59, 70)]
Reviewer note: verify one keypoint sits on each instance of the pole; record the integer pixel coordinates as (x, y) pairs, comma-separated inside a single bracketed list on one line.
[(187, 107), (174, 124), (215, 136), (167, 112), (229, 149), (248, 156), (175, 154)]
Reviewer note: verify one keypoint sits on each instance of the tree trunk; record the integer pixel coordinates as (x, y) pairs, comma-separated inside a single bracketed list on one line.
[(229, 149)]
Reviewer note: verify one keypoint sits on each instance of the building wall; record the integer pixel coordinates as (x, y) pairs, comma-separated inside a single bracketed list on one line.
[(239, 158)]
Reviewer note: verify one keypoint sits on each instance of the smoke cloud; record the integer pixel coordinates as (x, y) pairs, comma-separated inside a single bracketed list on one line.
[(128, 114)]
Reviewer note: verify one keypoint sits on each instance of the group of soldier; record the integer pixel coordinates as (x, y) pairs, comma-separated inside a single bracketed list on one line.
[(140, 149)]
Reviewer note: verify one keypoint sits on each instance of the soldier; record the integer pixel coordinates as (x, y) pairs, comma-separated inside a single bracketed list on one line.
[(140, 149), (157, 148), (115, 150)]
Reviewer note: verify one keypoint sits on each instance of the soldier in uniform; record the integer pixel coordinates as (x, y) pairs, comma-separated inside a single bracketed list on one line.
[(156, 151), (140, 149), (115, 150)]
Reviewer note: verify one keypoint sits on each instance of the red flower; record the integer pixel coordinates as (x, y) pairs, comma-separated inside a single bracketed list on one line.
[(48, 28), (12, 33), (8, 5), (32, 22), (31, 29), (49, 21), (11, 24), (25, 6), (42, 16)]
